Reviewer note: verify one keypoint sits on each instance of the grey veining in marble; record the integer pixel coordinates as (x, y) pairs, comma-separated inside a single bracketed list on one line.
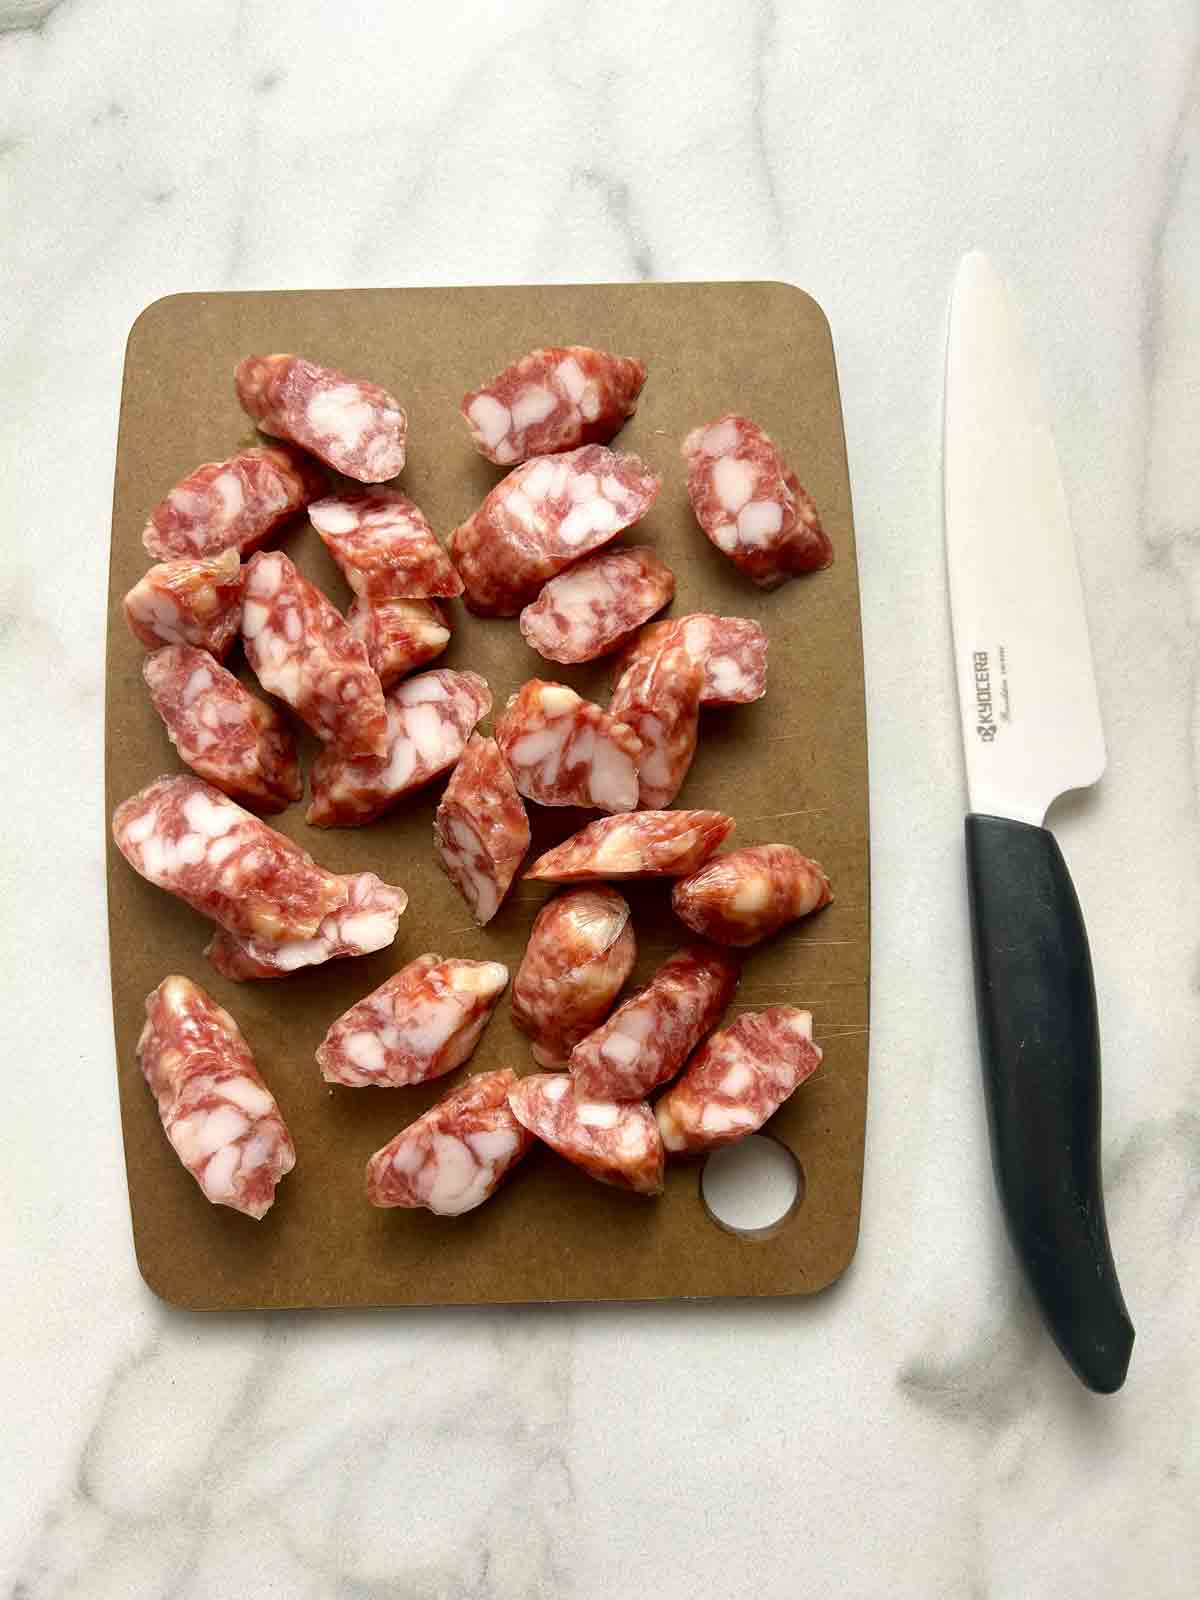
[(911, 1432)]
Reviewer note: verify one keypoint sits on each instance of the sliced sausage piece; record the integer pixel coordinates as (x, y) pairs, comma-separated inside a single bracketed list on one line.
[(221, 1119), (551, 400), (565, 751), (188, 838), (226, 734), (732, 651), (737, 1079), (429, 720), (188, 602), (550, 512), (751, 504), (635, 844), (581, 950), (354, 425), (659, 698), (233, 505), (383, 545), (399, 635), (456, 1156), (595, 605), (749, 894), (422, 1023), (647, 1040), (615, 1144), (300, 648), (481, 832), (366, 923)]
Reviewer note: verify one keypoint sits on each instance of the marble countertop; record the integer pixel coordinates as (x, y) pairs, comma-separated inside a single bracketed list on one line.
[(912, 1431)]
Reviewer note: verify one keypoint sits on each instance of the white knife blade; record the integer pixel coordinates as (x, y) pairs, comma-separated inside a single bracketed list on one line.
[(1026, 685)]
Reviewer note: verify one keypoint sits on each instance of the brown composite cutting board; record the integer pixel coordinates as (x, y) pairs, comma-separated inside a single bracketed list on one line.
[(791, 768)]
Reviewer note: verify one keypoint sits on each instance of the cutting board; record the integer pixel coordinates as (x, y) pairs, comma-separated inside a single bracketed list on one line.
[(791, 768)]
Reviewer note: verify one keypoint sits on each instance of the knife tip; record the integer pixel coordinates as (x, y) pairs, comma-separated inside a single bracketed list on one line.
[(973, 266)]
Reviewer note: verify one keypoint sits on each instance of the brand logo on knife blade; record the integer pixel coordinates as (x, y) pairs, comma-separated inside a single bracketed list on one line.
[(985, 719)]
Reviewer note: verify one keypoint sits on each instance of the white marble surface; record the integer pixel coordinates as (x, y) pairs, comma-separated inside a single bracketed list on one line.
[(911, 1432)]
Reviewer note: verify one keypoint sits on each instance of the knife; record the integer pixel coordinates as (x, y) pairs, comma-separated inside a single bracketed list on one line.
[(1031, 730)]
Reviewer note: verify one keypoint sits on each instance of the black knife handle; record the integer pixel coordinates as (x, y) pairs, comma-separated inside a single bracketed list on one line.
[(1040, 1044)]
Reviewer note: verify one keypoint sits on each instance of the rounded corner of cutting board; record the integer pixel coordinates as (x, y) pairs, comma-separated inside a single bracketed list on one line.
[(808, 304), (164, 1284), (840, 1265), (165, 310)]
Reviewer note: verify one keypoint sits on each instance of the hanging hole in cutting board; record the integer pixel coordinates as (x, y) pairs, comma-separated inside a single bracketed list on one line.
[(752, 1187)]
